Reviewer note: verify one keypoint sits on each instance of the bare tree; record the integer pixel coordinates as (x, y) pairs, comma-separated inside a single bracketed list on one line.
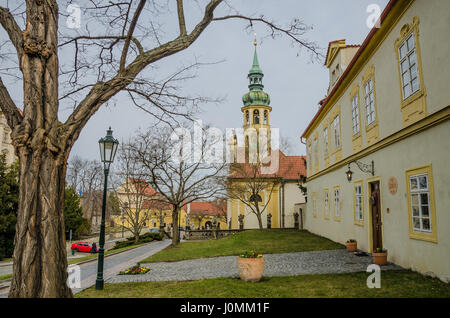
[(133, 192), (178, 177), (107, 55), (86, 177), (246, 184)]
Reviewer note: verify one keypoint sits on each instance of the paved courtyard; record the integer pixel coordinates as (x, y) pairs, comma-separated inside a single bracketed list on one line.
[(288, 264)]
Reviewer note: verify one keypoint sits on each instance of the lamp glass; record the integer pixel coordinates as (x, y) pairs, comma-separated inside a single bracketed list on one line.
[(349, 175), (108, 147)]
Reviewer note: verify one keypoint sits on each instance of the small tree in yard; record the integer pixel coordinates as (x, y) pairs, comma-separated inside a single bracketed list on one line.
[(177, 179), (246, 184), (73, 215), (81, 70), (132, 191)]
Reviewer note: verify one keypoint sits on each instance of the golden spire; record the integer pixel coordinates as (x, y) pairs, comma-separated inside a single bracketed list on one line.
[(254, 42)]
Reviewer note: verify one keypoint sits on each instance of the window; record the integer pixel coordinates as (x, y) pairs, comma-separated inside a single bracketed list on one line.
[(408, 67), (358, 200), (337, 138), (325, 141), (420, 203), (247, 119), (326, 204), (310, 158), (316, 152), (421, 208), (355, 115), (370, 103), (256, 116), (265, 117), (255, 198), (337, 212), (314, 205)]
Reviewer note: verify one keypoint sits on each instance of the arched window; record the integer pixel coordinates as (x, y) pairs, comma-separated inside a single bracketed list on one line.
[(255, 198), (247, 117), (265, 117), (256, 116)]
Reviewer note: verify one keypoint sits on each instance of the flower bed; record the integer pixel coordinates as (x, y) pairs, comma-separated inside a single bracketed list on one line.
[(250, 255), (135, 270)]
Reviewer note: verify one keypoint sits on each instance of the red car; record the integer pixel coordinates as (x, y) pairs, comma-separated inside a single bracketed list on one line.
[(82, 247)]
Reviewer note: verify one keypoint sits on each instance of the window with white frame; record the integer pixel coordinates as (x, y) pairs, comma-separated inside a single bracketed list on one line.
[(327, 208), (337, 137), (355, 114), (370, 102), (336, 203), (408, 67), (310, 163), (314, 204), (325, 141), (420, 203), (358, 203)]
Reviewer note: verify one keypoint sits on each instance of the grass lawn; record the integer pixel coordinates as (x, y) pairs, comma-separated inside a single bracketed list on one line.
[(6, 260), (261, 241), (7, 276), (393, 284)]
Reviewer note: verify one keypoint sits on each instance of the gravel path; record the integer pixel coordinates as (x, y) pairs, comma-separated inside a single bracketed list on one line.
[(288, 264)]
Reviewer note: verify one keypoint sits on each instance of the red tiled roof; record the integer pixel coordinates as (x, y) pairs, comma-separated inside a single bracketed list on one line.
[(207, 208), (290, 168), (156, 204), (372, 32), (142, 185)]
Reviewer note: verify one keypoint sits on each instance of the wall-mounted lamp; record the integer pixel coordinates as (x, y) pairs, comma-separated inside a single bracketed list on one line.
[(363, 167)]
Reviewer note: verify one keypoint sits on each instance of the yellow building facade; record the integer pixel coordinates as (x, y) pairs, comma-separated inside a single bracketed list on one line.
[(378, 148)]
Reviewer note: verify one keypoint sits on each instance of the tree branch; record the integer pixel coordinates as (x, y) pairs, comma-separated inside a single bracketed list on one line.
[(9, 108), (181, 20), (133, 23), (293, 31), (14, 32)]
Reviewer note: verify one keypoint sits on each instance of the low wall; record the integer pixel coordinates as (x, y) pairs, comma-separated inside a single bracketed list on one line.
[(209, 234)]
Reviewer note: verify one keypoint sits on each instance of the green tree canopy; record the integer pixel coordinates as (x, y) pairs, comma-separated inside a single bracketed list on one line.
[(9, 200), (73, 215)]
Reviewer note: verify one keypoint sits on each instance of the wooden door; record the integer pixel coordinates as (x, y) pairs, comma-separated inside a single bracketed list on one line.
[(375, 205)]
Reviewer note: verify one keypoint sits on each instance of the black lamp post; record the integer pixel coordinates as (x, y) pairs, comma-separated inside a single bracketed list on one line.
[(108, 149)]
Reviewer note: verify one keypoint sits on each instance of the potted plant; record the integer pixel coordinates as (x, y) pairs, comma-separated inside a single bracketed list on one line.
[(351, 245), (250, 266), (380, 256)]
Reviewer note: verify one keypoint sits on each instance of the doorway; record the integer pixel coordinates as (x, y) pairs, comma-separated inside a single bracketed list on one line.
[(375, 210)]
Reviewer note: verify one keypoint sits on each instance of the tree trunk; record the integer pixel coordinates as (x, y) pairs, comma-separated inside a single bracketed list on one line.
[(40, 259), (175, 231)]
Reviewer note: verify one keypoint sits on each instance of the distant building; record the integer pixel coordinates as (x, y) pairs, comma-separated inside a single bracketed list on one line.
[(6, 147), (378, 148), (202, 214)]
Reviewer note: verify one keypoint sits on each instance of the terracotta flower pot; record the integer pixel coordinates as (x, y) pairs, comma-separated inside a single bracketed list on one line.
[(351, 246), (250, 269), (379, 258)]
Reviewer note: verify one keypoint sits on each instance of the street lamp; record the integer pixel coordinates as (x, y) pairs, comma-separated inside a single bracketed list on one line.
[(108, 148)]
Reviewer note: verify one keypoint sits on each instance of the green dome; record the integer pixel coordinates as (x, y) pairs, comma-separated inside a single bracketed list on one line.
[(256, 98)]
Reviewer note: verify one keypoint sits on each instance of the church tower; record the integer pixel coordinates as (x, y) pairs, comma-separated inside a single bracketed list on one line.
[(256, 109)]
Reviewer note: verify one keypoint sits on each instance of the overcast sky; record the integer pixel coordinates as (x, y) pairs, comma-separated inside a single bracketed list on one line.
[(294, 83)]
